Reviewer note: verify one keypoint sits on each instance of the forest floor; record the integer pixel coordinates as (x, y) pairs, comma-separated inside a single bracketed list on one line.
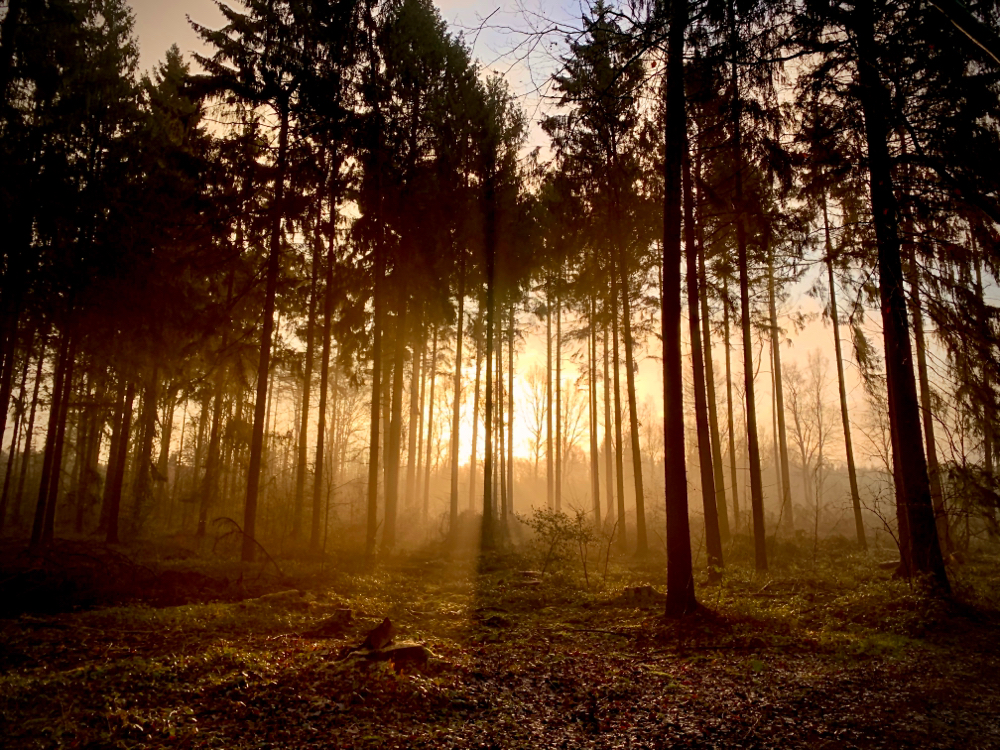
[(819, 654)]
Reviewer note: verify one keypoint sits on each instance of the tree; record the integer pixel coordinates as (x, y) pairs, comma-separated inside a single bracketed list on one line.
[(680, 577), (259, 59)]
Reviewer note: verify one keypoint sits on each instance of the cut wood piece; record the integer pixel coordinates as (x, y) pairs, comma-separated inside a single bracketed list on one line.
[(380, 636), (377, 638)]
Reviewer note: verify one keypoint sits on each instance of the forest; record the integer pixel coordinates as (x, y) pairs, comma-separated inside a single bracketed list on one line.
[(356, 393)]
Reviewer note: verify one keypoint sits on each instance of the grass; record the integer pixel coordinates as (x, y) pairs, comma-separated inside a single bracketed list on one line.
[(834, 653)]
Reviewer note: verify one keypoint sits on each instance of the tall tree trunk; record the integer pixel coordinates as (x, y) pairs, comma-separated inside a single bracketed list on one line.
[(456, 416), (166, 434), (731, 422), (619, 459), (549, 478), (713, 417), (753, 447), (779, 396), (559, 414), (48, 466), (118, 479), (988, 408), (430, 425), (501, 441), (264, 363), (210, 488), (642, 545), (595, 461), (904, 414), (15, 439), (933, 468), (302, 462), (112, 466), (609, 470), (416, 406), (488, 541), (775, 453), (62, 420), (26, 458), (680, 575), (373, 441), (395, 428), (473, 458), (852, 473), (142, 484), (713, 537), (324, 380), (510, 413)]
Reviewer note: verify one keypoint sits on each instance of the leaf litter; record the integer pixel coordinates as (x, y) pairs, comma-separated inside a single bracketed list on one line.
[(838, 660)]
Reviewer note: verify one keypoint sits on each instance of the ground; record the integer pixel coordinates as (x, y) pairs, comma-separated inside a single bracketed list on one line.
[(826, 652)]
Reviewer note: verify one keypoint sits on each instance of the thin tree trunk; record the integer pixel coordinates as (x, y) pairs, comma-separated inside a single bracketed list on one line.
[(904, 413), (510, 413), (430, 425), (753, 447), (15, 439), (416, 406), (488, 541), (112, 466), (142, 484), (609, 471), (55, 410), (395, 429), (713, 537), (264, 364), (619, 459), (933, 468), (733, 474), (501, 442), (324, 379), (423, 421), (163, 459), (595, 461), (549, 478), (779, 397), (302, 463), (713, 417), (456, 416), (775, 454), (988, 411), (210, 489), (118, 479), (62, 420), (26, 458), (680, 575), (473, 458), (642, 545), (559, 414), (373, 441), (852, 474)]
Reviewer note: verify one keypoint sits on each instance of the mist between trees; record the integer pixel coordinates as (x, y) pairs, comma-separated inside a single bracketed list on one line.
[(315, 283)]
